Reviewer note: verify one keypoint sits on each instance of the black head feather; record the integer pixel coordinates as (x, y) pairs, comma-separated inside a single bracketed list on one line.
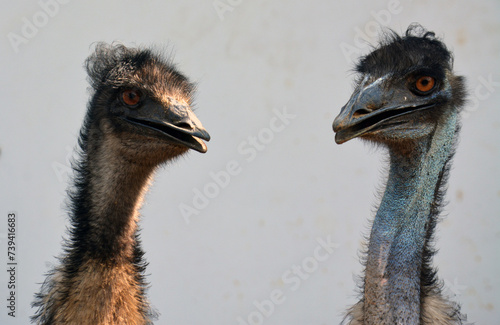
[(398, 54), (117, 66)]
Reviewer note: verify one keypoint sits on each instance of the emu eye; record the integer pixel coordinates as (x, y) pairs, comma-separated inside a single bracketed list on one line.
[(131, 97), (425, 84)]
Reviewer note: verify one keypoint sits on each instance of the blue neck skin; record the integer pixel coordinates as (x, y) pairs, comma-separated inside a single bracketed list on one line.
[(400, 230)]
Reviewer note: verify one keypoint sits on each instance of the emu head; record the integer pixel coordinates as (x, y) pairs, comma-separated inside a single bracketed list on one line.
[(405, 86), (143, 103)]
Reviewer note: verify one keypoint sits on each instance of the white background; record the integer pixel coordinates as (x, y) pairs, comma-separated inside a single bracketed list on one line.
[(260, 56)]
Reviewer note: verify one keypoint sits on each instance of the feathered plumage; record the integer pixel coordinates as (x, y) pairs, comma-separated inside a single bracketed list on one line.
[(138, 117)]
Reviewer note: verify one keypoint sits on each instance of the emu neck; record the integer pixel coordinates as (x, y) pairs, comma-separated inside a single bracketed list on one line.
[(403, 226), (116, 187), (100, 280)]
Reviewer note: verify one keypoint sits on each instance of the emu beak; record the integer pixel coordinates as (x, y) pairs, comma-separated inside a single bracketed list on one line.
[(371, 106), (177, 123)]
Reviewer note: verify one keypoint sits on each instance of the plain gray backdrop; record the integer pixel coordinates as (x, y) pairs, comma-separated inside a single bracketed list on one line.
[(293, 188)]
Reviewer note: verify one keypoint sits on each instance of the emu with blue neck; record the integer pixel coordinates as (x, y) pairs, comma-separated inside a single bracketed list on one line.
[(409, 100)]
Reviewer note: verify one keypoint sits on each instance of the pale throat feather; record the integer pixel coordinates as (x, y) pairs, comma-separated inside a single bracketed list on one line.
[(117, 188)]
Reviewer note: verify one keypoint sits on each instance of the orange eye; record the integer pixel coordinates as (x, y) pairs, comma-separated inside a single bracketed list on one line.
[(131, 97), (425, 84)]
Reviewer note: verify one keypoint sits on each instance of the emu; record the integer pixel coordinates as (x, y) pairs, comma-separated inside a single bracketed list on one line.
[(139, 117), (408, 100)]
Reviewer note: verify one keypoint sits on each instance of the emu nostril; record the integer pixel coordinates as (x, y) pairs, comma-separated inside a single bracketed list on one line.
[(362, 111), (185, 123), (366, 110)]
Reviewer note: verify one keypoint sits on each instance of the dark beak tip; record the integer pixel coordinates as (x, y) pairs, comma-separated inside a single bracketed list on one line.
[(342, 137), (199, 133), (338, 140), (338, 126)]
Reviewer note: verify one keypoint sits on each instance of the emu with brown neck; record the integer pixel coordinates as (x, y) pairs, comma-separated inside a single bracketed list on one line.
[(407, 99), (138, 118)]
